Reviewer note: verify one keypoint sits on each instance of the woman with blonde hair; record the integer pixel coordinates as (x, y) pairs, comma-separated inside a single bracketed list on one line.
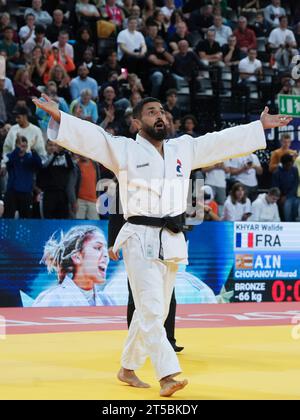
[(80, 259), (59, 75)]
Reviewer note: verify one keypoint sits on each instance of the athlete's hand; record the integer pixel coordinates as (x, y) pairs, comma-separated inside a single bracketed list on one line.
[(48, 105), (115, 256), (273, 121)]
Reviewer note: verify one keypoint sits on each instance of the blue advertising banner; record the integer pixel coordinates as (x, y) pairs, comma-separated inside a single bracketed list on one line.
[(46, 263)]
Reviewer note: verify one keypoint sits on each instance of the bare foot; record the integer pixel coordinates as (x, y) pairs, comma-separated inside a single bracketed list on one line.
[(169, 386), (130, 378)]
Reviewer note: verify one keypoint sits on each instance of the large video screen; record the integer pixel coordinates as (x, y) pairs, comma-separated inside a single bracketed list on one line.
[(48, 263)]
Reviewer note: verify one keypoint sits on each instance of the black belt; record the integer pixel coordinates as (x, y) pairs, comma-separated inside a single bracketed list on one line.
[(174, 224)]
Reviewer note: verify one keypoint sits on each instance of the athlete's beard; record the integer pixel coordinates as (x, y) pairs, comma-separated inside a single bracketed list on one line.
[(154, 133)]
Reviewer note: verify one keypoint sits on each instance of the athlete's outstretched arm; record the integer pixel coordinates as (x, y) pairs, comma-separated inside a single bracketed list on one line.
[(83, 137), (234, 142)]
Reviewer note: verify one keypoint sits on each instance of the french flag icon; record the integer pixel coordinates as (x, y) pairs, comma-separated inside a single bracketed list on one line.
[(244, 240)]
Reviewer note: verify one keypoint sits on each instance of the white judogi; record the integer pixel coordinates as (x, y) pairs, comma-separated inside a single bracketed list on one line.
[(153, 186)]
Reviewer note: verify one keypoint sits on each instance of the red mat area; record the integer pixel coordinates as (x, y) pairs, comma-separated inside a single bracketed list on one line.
[(47, 320)]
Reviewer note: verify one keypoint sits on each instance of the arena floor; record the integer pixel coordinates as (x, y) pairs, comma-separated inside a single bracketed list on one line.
[(237, 351)]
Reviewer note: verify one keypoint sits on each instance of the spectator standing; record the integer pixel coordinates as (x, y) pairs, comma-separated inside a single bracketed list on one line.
[(21, 166), (87, 196)]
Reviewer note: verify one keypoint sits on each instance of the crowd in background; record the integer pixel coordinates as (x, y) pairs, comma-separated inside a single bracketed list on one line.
[(97, 59)]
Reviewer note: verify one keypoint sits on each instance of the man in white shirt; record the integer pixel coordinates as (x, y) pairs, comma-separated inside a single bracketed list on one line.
[(250, 68), (264, 208), (131, 47), (154, 178), (245, 170), (273, 12), (38, 40), (26, 32), (282, 36), (223, 32), (63, 46), (24, 128)]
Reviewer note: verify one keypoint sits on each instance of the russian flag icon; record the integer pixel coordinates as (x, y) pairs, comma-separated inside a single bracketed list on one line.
[(244, 240)]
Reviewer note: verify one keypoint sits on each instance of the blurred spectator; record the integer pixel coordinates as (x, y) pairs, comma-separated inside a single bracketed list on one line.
[(237, 206), (246, 38), (245, 170), (273, 12), (285, 149), (38, 40), (189, 124), (250, 68), (53, 180), (26, 32), (297, 165), (62, 79), (135, 98), (282, 36), (151, 33), (111, 64), (57, 26), (112, 12), (109, 103), (10, 48), (222, 32), (264, 208), (135, 12), (7, 102), (215, 177), (284, 56), (176, 18), (297, 34), (181, 33), (201, 19), (56, 57), (159, 18), (42, 17), (37, 66), (21, 166), (83, 43), (168, 10), (131, 47), (231, 53), (87, 108), (260, 26), (23, 86), (171, 104), (209, 50), (4, 22), (1, 208), (148, 9), (43, 116), (186, 65), (65, 49), (135, 84), (85, 10), (210, 207), (23, 128), (88, 60), (286, 178), (83, 81), (296, 88), (87, 197), (126, 7), (160, 62)]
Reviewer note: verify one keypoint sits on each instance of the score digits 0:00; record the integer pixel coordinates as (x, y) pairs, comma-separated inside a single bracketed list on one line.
[(286, 292)]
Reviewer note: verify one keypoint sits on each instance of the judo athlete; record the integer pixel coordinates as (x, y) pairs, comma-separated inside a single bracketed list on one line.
[(153, 175)]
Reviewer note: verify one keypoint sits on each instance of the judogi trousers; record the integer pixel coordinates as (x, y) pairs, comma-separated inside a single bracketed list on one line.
[(152, 283)]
